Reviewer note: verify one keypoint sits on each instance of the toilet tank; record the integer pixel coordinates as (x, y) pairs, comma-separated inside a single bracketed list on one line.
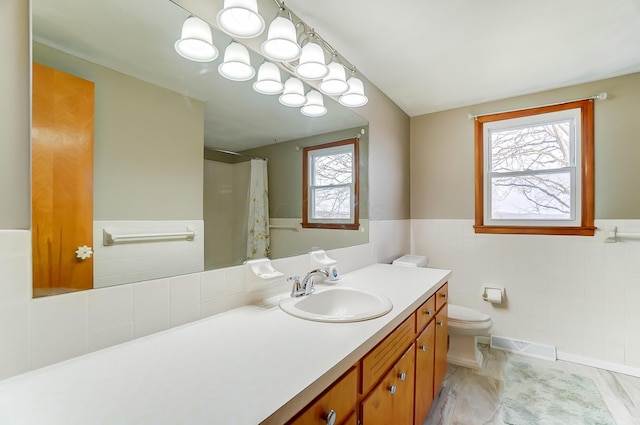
[(411, 260)]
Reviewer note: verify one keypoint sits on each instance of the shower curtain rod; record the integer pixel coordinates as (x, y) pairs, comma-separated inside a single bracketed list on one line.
[(601, 96), (236, 153)]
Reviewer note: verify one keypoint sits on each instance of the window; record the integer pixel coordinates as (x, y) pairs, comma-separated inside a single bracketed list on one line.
[(534, 171), (330, 185)]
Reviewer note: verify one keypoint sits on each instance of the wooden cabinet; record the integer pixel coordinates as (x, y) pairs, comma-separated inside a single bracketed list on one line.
[(391, 401), (338, 401), (398, 378), (425, 356)]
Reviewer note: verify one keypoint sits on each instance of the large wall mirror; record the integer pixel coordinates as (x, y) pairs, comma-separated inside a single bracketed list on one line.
[(168, 156)]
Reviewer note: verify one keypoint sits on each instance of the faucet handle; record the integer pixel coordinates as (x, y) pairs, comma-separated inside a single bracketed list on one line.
[(295, 288)]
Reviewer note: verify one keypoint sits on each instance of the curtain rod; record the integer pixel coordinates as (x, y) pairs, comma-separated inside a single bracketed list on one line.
[(601, 96), (235, 153)]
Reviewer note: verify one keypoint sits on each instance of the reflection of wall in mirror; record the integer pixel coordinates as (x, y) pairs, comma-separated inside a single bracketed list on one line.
[(225, 198), (141, 173), (285, 196)]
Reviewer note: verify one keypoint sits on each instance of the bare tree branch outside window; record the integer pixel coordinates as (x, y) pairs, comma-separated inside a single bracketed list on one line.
[(331, 185), (530, 171)]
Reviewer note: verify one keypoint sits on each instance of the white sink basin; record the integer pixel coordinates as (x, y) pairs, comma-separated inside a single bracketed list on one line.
[(338, 305)]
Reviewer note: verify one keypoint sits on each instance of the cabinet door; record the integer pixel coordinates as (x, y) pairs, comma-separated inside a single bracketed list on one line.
[(391, 401), (442, 346), (425, 356)]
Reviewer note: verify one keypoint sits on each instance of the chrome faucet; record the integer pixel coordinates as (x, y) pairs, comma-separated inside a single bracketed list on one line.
[(306, 286)]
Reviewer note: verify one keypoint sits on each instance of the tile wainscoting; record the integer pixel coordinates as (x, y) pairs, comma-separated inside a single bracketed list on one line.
[(35, 333), (576, 293)]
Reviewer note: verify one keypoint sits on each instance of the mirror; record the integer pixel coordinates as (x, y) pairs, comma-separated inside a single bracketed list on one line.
[(154, 115)]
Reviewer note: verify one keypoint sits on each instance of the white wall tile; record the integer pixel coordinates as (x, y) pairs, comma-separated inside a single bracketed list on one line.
[(212, 285), (185, 315), (15, 271), (559, 289), (110, 306), (109, 336), (150, 324), (60, 317), (14, 362), (150, 298), (184, 291), (48, 352), (14, 326)]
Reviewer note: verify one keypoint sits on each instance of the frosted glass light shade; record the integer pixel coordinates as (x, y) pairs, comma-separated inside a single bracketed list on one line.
[(237, 64), (293, 94), (240, 18), (314, 106), (268, 81), (281, 44), (196, 42), (335, 82), (312, 65), (354, 97)]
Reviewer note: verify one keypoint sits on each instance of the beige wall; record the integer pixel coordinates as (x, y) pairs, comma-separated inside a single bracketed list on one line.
[(442, 167), (148, 144), (14, 115)]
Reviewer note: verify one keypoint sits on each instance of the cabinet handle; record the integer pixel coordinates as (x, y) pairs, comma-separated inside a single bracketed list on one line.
[(331, 417), (429, 312), (423, 347), (440, 323), (392, 389), (403, 376), (445, 295)]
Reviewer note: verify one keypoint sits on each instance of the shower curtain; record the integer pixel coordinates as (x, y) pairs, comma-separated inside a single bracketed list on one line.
[(258, 242)]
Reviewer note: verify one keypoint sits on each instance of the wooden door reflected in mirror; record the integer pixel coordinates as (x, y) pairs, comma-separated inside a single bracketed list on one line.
[(61, 181)]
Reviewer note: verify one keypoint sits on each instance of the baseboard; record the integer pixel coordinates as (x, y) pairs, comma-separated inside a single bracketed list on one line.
[(525, 348), (600, 364)]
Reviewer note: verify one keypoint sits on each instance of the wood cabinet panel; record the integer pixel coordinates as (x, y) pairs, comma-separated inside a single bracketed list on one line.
[(382, 357), (341, 397), (425, 357), (442, 346)]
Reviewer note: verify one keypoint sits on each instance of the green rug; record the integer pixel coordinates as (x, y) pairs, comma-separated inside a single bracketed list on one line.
[(536, 396)]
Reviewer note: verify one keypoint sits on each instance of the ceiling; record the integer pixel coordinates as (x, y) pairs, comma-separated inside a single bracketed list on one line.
[(433, 55)]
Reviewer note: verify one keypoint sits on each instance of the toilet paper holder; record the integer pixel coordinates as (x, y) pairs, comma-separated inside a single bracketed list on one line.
[(493, 294)]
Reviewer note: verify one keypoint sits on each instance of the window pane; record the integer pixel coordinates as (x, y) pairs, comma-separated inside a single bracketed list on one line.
[(531, 197), (332, 203), (536, 147), (332, 169)]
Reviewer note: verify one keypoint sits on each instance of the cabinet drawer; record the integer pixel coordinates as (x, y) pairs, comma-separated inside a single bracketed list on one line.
[(442, 296), (379, 360), (341, 397), (425, 313)]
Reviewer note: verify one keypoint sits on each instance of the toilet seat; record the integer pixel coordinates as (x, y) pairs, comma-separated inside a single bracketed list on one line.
[(467, 320)]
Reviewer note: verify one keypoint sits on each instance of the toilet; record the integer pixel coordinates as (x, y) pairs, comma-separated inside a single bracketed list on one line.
[(465, 324)]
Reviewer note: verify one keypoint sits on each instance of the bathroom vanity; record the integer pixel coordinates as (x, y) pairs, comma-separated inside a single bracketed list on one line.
[(258, 364)]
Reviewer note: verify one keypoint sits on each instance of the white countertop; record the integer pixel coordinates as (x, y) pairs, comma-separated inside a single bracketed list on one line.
[(251, 365)]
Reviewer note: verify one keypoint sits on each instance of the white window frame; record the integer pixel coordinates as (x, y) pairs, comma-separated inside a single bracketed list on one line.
[(571, 115)]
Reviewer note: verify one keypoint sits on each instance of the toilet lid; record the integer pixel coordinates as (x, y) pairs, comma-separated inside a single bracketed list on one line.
[(457, 313)]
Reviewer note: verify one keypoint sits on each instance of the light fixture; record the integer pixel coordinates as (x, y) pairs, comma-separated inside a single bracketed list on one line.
[(312, 65), (314, 106), (335, 82), (281, 44), (293, 94), (237, 64), (354, 97), (196, 42), (268, 81), (240, 18)]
